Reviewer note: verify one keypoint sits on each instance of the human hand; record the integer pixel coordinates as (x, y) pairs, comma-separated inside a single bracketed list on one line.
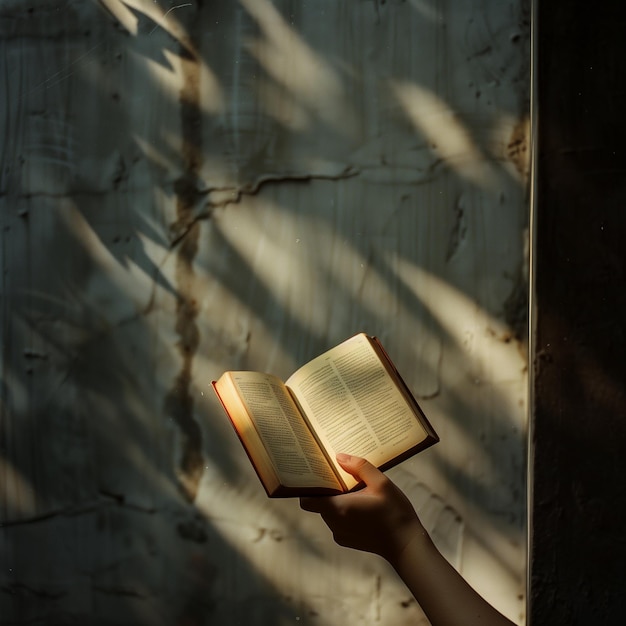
[(379, 518)]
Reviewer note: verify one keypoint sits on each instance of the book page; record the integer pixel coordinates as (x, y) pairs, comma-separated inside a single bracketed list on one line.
[(354, 405), (295, 452)]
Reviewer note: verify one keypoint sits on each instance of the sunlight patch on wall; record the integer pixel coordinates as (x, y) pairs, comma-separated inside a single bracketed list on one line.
[(120, 11), (425, 9), (282, 107), (463, 319), (127, 278), (290, 549), (301, 71), (17, 496), (492, 576), (130, 12), (449, 139), (273, 243)]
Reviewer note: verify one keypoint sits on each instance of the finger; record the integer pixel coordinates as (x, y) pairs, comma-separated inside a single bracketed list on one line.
[(308, 504), (314, 505), (360, 468)]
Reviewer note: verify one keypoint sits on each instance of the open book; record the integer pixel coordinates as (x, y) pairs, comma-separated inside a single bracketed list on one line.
[(350, 399)]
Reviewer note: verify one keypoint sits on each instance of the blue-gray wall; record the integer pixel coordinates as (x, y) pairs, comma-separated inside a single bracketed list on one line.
[(189, 187)]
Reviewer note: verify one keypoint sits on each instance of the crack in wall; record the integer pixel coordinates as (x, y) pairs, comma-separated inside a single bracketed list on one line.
[(221, 196), (119, 591), (179, 403), (21, 589), (87, 508), (517, 150), (459, 230)]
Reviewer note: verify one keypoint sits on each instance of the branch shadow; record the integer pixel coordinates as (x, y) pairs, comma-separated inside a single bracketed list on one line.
[(90, 349)]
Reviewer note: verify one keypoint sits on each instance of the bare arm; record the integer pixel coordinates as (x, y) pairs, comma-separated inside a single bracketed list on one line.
[(380, 519)]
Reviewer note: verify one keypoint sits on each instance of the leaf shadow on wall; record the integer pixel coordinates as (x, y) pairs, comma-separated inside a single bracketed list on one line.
[(131, 210)]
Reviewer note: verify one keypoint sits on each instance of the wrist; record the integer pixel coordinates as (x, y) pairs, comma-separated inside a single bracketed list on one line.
[(415, 547)]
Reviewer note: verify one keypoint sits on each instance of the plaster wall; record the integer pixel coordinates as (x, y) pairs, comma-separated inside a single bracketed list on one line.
[(187, 188)]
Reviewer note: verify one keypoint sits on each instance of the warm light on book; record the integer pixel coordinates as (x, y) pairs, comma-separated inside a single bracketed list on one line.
[(349, 399)]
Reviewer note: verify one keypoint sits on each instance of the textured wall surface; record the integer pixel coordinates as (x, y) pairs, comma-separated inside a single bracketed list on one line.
[(189, 187)]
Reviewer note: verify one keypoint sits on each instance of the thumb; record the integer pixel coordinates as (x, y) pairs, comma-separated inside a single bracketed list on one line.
[(360, 468)]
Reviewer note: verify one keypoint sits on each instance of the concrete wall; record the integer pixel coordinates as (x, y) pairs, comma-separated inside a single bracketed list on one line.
[(192, 187)]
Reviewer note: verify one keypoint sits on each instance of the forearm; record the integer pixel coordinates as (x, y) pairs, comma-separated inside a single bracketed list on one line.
[(445, 597), (380, 519)]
